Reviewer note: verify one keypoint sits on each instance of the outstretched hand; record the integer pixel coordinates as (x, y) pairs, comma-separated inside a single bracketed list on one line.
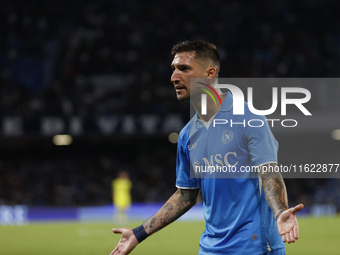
[(288, 225), (126, 243)]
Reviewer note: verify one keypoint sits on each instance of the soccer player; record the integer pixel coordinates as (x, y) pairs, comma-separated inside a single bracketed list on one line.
[(121, 187), (243, 215)]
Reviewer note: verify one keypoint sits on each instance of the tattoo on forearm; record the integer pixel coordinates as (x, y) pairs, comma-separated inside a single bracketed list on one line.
[(275, 190), (179, 203), (152, 221)]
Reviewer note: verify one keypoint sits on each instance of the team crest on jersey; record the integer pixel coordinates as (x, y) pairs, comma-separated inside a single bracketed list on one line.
[(227, 136)]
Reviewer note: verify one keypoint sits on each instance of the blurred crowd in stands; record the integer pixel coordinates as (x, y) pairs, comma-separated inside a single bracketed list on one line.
[(90, 58), (82, 175), (56, 56)]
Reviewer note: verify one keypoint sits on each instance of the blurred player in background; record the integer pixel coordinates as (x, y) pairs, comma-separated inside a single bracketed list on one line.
[(121, 187), (243, 215)]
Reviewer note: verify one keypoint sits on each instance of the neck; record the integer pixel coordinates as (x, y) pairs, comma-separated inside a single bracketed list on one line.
[(212, 109)]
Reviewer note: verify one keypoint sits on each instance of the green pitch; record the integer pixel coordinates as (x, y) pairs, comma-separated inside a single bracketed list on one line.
[(317, 236)]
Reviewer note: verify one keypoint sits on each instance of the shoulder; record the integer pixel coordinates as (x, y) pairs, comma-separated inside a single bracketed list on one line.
[(248, 114), (185, 130), (184, 134)]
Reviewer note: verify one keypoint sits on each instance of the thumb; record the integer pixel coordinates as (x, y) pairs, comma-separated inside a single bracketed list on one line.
[(297, 208), (117, 230)]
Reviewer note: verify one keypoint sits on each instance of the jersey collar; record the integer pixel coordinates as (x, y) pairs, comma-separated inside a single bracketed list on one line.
[(227, 104)]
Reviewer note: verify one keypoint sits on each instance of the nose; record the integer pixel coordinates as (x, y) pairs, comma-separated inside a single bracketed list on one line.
[(175, 78)]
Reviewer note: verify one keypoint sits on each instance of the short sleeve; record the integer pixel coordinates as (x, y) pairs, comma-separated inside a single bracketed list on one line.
[(183, 179), (262, 144)]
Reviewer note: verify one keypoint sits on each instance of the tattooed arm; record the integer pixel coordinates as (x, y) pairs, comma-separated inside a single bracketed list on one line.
[(276, 196), (274, 189), (178, 204)]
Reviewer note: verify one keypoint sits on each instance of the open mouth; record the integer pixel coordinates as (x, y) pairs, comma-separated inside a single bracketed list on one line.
[(179, 88)]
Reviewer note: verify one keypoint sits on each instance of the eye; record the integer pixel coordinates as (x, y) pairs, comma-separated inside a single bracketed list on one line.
[(183, 68)]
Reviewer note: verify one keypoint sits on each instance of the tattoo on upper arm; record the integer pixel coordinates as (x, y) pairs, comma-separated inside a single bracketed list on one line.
[(187, 199), (179, 203), (275, 190)]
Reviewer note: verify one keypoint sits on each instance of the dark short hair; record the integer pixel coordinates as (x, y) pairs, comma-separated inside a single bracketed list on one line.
[(202, 49)]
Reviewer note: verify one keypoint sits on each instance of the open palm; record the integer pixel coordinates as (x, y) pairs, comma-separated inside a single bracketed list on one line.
[(288, 225), (126, 243)]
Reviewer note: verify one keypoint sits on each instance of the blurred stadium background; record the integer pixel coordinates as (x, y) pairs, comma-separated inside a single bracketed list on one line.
[(99, 71)]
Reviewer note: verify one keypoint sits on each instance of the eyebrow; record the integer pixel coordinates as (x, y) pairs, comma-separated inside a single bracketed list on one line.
[(179, 66)]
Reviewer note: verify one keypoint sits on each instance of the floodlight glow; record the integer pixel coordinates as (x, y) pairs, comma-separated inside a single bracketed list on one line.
[(173, 137), (62, 140), (336, 134)]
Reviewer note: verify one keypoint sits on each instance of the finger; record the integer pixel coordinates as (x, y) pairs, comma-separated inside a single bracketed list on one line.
[(297, 208), (114, 251), (117, 230), (296, 232), (281, 230), (291, 235), (284, 239), (288, 238)]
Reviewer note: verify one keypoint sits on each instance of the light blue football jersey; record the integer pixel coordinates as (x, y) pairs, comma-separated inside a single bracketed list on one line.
[(218, 160)]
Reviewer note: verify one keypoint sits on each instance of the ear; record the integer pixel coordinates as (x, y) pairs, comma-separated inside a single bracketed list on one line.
[(211, 72)]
